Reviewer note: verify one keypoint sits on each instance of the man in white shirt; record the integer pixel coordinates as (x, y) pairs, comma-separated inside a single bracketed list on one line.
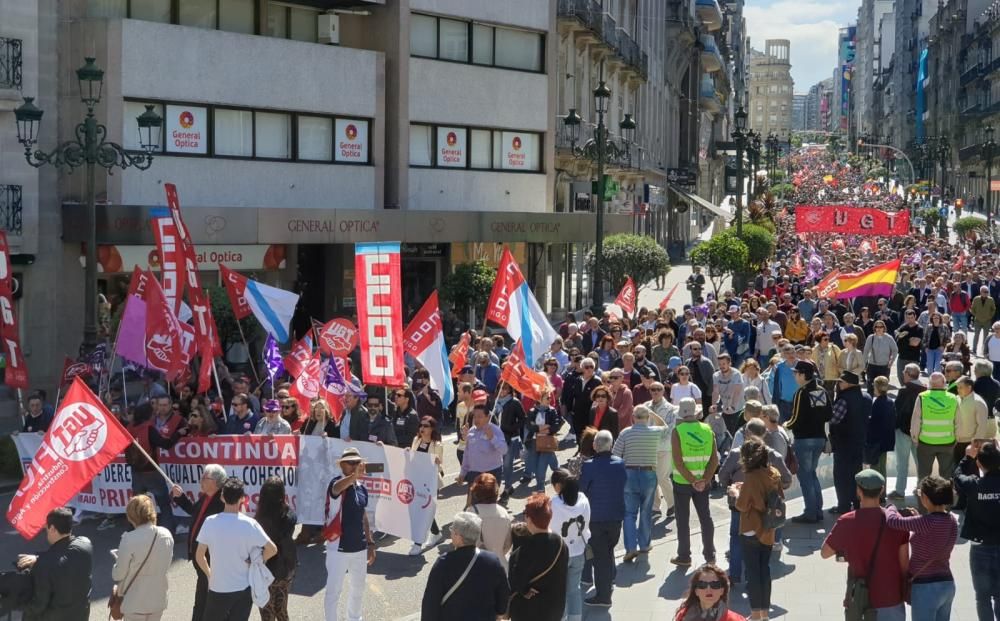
[(765, 341), (229, 538), (664, 414)]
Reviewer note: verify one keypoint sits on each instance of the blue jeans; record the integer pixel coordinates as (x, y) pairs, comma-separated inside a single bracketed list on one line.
[(904, 454), (574, 598), (891, 613), (984, 561), (544, 461), (931, 601), (153, 484), (640, 485), (808, 450), (530, 459), (513, 452), (735, 549), (960, 321), (933, 360)]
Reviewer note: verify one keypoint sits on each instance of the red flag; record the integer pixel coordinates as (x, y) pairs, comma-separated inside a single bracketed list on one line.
[(299, 356), (307, 385), (172, 264), (72, 369), (16, 373), (626, 297), (236, 287), (337, 337), (960, 263), (670, 294), (521, 376), (829, 285), (163, 333), (137, 286), (509, 278), (796, 264), (83, 438), (378, 287), (459, 356)]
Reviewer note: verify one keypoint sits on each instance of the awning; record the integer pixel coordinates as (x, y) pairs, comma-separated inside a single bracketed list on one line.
[(704, 204)]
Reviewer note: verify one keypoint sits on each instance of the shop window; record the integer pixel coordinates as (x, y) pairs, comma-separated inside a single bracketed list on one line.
[(234, 132), (315, 138), (480, 149), (272, 135), (496, 46), (150, 10), (237, 16)]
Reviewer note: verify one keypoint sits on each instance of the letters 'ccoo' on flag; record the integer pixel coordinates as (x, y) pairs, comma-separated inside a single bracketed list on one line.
[(626, 297), (378, 287), (459, 356), (513, 305), (83, 438), (521, 376), (272, 307), (424, 340), (876, 281)]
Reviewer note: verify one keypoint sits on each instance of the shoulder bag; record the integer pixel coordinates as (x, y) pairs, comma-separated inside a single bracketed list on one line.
[(118, 597), (858, 602), (562, 546), (461, 579)]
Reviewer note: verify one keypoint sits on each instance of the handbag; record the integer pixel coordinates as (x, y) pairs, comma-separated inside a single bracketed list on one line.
[(562, 546), (858, 601), (461, 579), (117, 598), (546, 443)]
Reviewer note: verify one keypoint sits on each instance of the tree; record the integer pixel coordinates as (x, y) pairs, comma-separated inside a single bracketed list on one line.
[(637, 256), (722, 256), (759, 242), (967, 225), (468, 288), (225, 319)]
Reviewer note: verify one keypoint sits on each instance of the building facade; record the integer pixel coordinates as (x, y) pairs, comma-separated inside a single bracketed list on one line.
[(817, 106), (799, 112), (771, 87)]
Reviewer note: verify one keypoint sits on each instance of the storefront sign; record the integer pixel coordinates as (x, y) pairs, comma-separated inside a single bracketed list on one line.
[(519, 151), (186, 129), (351, 140), (451, 147), (845, 220), (120, 259)]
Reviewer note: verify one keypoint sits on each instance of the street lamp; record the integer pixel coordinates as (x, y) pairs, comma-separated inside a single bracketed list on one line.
[(943, 152), (989, 150), (740, 138), (772, 154), (600, 149), (89, 149)]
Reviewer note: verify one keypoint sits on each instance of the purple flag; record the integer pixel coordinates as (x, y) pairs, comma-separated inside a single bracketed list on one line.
[(272, 358), (131, 343), (332, 379)]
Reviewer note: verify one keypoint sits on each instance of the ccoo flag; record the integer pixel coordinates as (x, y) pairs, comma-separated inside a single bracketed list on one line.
[(424, 340), (83, 438), (513, 305)]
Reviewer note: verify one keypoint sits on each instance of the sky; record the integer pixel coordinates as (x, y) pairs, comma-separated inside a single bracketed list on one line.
[(811, 27)]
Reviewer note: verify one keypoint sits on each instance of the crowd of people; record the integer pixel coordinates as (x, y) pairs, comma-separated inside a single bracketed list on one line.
[(736, 393)]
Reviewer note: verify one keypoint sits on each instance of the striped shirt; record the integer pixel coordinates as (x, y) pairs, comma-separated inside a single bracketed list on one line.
[(638, 444), (932, 542)]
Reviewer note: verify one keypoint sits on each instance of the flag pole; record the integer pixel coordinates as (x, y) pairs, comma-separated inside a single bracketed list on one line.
[(253, 367), (124, 390), (155, 465), (20, 406)]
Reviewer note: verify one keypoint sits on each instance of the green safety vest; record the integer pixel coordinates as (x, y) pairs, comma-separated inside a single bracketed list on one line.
[(937, 417), (697, 443)]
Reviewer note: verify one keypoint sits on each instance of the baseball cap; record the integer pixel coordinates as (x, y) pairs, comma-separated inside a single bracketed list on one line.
[(804, 366), (674, 362), (869, 479)]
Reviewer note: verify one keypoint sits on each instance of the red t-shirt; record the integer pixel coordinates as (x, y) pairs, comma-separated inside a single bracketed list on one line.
[(853, 536)]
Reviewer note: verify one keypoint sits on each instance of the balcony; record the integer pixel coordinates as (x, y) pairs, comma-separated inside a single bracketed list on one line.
[(708, 99), (709, 13), (10, 209), (969, 152), (969, 74), (10, 73), (711, 59), (587, 17)]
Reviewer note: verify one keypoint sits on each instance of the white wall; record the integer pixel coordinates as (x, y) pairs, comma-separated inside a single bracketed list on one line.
[(467, 190), (533, 14), (468, 94)]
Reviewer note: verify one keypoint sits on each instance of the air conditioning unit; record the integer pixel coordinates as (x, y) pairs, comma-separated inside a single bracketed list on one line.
[(328, 28)]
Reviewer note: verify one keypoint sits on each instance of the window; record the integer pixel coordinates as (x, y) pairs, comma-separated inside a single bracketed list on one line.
[(273, 135), (234, 132), (420, 145), (423, 36), (315, 138), (229, 15), (151, 11), (302, 25), (130, 129), (197, 13), (519, 150), (492, 46), (481, 149), (237, 16), (453, 39), (108, 9)]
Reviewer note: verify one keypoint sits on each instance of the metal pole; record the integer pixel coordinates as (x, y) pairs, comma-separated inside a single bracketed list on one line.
[(739, 187), (597, 286), (913, 174), (989, 192), (90, 270)]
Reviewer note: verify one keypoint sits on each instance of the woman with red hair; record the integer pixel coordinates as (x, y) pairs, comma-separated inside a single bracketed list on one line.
[(538, 565)]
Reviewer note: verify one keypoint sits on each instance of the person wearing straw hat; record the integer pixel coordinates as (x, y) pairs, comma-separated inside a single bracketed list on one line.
[(350, 548)]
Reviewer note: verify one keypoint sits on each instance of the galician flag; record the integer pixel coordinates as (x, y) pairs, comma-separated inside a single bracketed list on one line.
[(424, 340), (513, 305), (272, 307)]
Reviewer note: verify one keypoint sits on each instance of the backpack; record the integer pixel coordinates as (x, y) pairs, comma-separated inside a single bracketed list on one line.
[(774, 509)]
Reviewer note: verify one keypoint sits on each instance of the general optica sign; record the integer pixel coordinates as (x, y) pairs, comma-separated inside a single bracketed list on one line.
[(186, 129)]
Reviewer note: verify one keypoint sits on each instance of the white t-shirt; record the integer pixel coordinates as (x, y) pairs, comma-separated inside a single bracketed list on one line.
[(679, 391), (230, 538), (572, 523)]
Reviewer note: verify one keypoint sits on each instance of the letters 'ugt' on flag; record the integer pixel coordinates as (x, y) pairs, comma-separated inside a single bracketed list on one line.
[(83, 438), (513, 305), (272, 307), (626, 297), (424, 340), (876, 281)]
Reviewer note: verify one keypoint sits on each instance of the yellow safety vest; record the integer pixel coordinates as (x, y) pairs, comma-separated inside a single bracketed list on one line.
[(697, 443), (937, 417)]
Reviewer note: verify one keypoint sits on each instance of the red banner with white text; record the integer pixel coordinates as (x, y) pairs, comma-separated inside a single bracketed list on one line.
[(847, 220), (379, 291), (16, 373)]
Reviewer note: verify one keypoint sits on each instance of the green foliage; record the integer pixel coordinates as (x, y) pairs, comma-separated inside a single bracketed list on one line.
[(637, 256), (469, 287), (225, 320), (722, 256), (10, 463), (969, 224), (778, 176), (783, 190), (796, 141), (930, 216), (759, 243)]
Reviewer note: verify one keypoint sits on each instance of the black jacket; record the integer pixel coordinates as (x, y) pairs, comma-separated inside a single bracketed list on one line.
[(532, 555), (215, 505), (512, 419), (358, 425), (609, 421), (989, 389), (406, 425), (581, 402), (280, 532), (982, 514), (905, 400), (61, 578), (330, 429), (851, 432), (481, 597), (811, 410)]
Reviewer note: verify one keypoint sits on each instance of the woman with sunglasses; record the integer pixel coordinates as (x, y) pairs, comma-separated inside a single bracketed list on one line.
[(683, 387), (200, 424), (879, 353), (404, 417), (602, 415), (936, 337), (607, 354), (320, 421), (428, 440), (708, 597), (542, 420), (290, 412)]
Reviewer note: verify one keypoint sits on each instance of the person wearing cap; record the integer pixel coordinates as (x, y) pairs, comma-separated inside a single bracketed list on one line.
[(353, 550), (854, 537), (848, 431), (354, 421), (811, 410), (487, 371), (934, 427), (637, 446), (641, 392), (272, 424), (696, 458), (673, 365)]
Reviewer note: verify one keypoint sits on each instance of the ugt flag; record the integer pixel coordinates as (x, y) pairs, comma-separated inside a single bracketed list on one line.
[(424, 340), (627, 296), (272, 307), (513, 306), (83, 438)]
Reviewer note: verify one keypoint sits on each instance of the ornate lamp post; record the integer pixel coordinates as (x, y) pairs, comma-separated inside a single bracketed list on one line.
[(989, 151), (88, 149), (600, 149), (740, 137)]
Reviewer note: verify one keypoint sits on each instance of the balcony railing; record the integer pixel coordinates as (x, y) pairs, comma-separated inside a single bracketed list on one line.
[(10, 63), (968, 152), (10, 209), (969, 74)]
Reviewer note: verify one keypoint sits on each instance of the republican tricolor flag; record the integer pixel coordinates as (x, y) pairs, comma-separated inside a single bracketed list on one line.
[(513, 306), (423, 339)]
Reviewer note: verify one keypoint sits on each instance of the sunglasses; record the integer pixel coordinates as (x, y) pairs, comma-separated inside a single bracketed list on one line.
[(655, 390), (425, 425), (286, 407), (712, 584)]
